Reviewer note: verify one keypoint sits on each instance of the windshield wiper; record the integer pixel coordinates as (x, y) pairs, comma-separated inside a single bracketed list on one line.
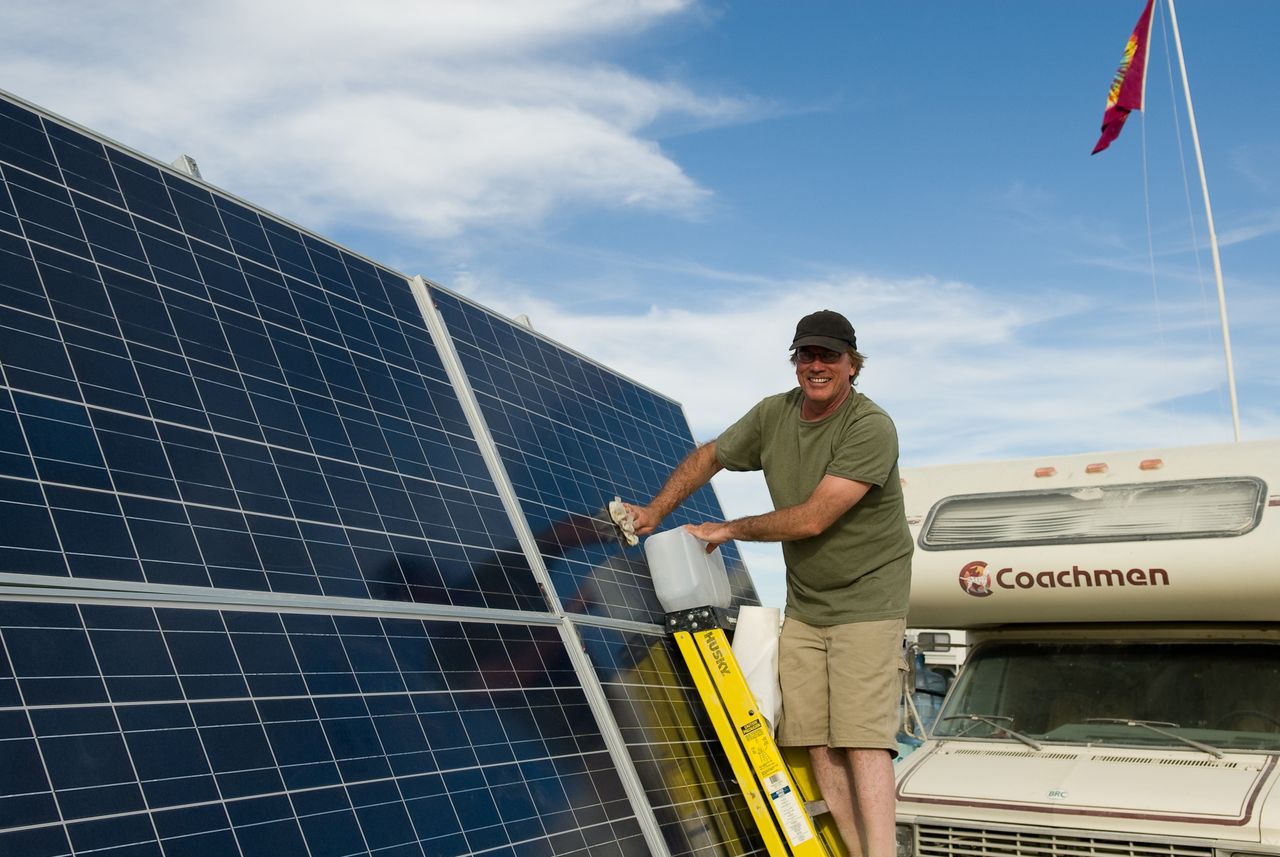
[(994, 720), (1154, 725)]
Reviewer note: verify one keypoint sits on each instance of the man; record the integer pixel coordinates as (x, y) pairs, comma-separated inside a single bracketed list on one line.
[(830, 459)]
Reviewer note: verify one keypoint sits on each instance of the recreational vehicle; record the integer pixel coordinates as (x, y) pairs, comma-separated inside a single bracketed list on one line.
[(1121, 687)]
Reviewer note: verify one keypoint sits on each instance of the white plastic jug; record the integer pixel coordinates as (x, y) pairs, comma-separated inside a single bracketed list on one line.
[(684, 574)]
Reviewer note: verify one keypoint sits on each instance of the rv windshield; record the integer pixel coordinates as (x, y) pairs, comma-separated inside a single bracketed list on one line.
[(1219, 695)]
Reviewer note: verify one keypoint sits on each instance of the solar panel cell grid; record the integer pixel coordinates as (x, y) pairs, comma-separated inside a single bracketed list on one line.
[(164, 343), (387, 731), (23, 141)]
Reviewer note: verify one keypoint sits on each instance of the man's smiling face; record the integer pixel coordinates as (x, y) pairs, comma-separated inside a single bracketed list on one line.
[(824, 378)]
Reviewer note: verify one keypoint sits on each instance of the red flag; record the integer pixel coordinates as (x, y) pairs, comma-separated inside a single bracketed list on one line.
[(1129, 83)]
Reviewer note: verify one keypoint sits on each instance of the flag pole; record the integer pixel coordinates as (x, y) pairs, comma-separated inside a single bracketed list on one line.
[(1213, 236)]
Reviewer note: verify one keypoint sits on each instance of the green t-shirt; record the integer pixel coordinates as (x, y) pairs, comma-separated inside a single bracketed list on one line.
[(859, 569)]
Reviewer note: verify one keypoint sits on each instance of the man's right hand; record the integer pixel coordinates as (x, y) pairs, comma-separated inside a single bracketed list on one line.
[(646, 519)]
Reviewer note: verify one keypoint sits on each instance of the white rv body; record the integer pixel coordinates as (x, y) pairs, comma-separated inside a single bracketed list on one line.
[(1121, 691)]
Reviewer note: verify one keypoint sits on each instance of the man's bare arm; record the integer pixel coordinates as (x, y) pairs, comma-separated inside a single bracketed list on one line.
[(691, 474), (832, 498)]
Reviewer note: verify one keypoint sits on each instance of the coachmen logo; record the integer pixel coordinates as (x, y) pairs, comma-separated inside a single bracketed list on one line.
[(978, 580), (975, 580)]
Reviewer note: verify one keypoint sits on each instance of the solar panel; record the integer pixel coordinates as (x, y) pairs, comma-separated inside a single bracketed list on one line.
[(572, 435), (203, 731), (283, 572)]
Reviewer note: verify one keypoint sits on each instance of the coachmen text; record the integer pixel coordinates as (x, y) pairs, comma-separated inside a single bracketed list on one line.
[(1075, 577)]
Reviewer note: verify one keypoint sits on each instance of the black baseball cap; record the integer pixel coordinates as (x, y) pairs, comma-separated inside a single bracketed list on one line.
[(826, 329)]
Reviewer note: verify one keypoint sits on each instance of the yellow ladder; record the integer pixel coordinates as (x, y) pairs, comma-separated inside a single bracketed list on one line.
[(778, 785)]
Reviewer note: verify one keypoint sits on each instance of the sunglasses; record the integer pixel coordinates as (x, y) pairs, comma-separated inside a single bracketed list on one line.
[(822, 355)]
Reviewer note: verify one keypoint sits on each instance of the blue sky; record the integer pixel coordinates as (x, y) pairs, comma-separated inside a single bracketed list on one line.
[(667, 185)]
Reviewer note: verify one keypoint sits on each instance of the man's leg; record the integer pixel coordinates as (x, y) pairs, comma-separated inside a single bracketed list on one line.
[(831, 770), (858, 787), (873, 801)]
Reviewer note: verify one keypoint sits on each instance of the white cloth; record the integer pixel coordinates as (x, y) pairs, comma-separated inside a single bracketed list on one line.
[(755, 647)]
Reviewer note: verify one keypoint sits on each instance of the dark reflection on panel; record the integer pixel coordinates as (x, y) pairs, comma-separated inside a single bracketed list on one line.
[(675, 750), (572, 435), (222, 400), (201, 731)]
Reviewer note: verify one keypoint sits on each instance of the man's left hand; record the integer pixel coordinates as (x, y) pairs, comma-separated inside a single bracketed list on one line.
[(714, 533)]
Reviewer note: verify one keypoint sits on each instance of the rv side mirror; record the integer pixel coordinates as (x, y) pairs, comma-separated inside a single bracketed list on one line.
[(933, 641)]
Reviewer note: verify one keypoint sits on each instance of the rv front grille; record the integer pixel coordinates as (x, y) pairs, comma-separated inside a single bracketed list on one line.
[(940, 841)]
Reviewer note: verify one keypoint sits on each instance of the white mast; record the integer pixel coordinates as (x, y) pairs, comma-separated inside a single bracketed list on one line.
[(1213, 236)]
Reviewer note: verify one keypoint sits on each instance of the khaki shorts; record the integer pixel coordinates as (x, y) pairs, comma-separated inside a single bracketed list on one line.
[(841, 685)]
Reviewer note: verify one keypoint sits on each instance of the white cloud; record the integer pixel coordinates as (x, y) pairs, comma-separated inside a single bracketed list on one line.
[(421, 117), (965, 374), (1261, 224)]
